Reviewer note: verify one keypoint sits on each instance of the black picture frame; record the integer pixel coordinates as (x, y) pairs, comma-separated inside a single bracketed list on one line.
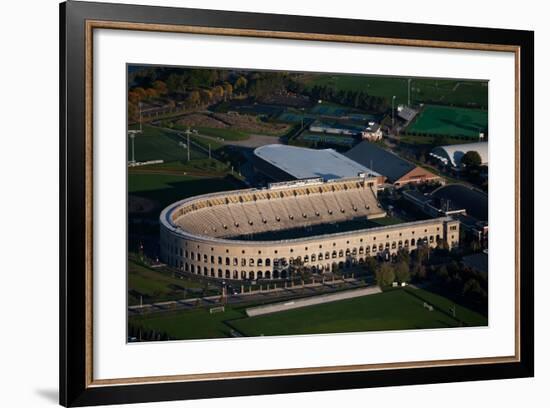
[(75, 388)]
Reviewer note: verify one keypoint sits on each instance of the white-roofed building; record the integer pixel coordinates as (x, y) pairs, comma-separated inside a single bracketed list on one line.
[(452, 155), (284, 163)]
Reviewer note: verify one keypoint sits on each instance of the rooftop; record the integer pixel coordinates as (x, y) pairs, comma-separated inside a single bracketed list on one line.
[(380, 160), (452, 154), (475, 202), (304, 163)]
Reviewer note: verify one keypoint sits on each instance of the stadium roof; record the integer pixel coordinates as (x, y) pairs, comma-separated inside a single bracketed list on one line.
[(380, 160), (453, 154), (303, 163)]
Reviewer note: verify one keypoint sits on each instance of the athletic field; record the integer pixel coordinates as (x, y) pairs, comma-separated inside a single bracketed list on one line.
[(449, 121), (423, 90), (393, 310)]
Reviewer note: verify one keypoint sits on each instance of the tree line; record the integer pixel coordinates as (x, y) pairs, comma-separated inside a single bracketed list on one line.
[(426, 264), (357, 99)]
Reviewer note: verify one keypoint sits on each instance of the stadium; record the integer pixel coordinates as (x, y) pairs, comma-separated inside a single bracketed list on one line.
[(257, 234)]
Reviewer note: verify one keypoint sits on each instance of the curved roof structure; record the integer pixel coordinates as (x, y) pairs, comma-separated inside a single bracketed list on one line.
[(452, 154), (303, 163), (234, 214)]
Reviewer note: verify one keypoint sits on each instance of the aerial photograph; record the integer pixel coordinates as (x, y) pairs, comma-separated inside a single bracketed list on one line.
[(281, 203)]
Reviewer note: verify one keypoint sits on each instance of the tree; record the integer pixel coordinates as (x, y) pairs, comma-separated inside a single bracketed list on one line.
[(442, 272), (217, 92), (385, 275), (151, 93), (160, 87), (194, 98), (422, 253), (402, 256), (471, 159), (418, 271), (205, 96), (228, 90), (371, 264), (140, 92), (402, 272), (241, 83), (442, 244)]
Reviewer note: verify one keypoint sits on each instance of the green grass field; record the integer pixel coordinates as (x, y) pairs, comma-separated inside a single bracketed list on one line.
[(226, 134), (393, 310), (158, 144), (441, 91), (399, 309), (193, 324), (166, 189), (157, 285), (450, 121)]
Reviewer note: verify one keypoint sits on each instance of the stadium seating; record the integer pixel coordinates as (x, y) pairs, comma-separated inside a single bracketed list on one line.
[(286, 208)]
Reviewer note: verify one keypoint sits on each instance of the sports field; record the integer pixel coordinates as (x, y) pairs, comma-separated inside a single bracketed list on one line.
[(158, 144), (165, 189), (423, 90), (399, 309), (450, 121)]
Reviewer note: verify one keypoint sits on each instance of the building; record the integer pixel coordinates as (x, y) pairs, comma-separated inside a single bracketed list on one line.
[(452, 155), (336, 128), (431, 207), (284, 163), (475, 202), (406, 113), (372, 133), (467, 205), (398, 171), (260, 233)]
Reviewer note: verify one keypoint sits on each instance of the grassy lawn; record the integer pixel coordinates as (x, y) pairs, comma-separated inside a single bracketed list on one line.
[(429, 140), (206, 166), (157, 285), (193, 324), (463, 314), (448, 92), (158, 144), (226, 134), (166, 189), (399, 309), (450, 121), (392, 310)]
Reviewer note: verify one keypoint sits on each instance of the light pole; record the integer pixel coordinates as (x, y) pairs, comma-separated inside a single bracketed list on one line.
[(409, 93), (133, 136), (133, 133), (392, 111), (188, 132)]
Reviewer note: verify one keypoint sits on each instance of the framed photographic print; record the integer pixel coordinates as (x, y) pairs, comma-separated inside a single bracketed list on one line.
[(255, 203)]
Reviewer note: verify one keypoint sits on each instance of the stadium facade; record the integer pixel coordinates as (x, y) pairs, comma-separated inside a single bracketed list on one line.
[(261, 233)]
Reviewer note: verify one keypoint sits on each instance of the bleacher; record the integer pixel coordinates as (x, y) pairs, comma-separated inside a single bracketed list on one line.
[(244, 213)]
